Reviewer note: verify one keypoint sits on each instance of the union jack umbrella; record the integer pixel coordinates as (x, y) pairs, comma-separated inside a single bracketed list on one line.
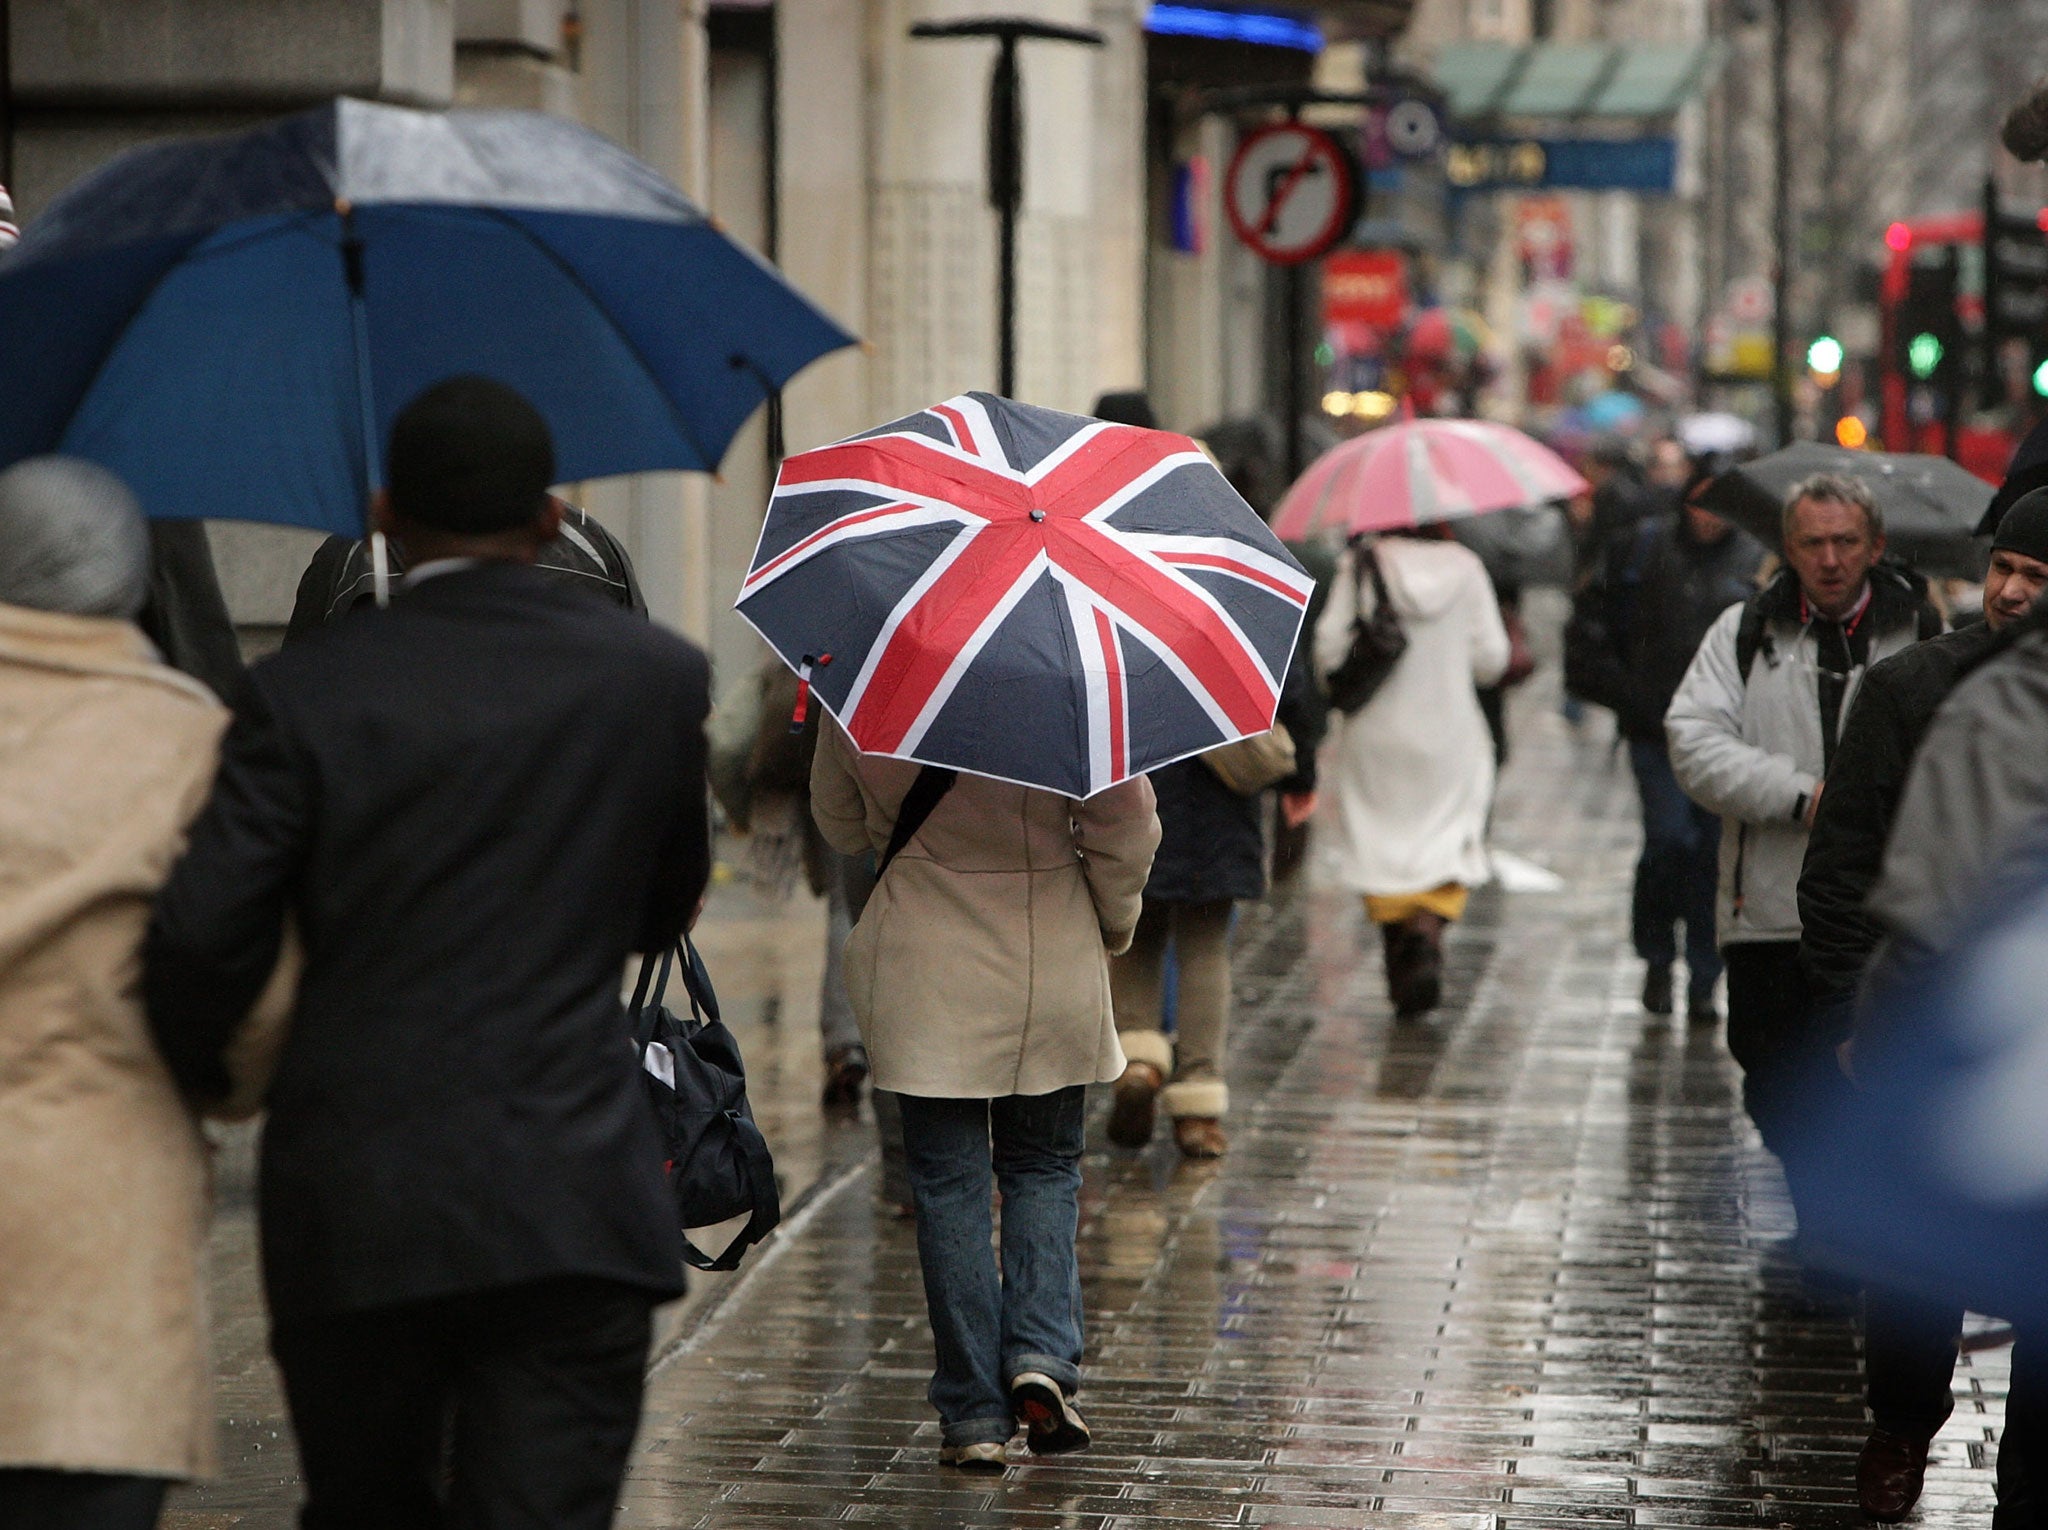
[(1019, 593), (1422, 471)]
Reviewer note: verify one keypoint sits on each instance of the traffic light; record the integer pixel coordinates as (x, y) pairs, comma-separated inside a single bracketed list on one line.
[(1928, 342), (2015, 296), (1824, 357)]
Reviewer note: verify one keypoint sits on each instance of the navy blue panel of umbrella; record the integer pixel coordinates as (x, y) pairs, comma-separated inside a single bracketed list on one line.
[(1025, 594), (1933, 1175), (231, 323)]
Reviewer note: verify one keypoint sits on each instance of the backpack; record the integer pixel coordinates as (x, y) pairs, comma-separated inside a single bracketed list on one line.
[(717, 1160)]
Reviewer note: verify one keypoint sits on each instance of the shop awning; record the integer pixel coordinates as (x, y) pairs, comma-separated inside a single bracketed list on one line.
[(1575, 79)]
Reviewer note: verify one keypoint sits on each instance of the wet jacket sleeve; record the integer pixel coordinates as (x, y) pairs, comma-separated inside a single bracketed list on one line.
[(1306, 715), (1719, 769), (1491, 648), (1845, 852), (836, 802), (219, 921), (1595, 667), (1117, 832), (1977, 787)]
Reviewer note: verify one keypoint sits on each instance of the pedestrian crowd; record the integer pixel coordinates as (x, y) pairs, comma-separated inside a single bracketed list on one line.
[(384, 889)]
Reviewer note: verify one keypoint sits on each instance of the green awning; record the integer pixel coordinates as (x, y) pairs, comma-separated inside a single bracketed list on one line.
[(1564, 79)]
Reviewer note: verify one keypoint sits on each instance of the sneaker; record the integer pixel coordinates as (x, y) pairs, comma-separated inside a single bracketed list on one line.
[(1053, 1427), (1657, 990), (1889, 1474), (1134, 1108), (981, 1456)]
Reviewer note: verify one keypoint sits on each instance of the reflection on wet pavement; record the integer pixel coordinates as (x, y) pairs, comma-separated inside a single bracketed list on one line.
[(1519, 1265), (1522, 1264)]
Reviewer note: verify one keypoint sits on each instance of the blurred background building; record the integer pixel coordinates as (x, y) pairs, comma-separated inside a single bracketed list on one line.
[(1568, 212)]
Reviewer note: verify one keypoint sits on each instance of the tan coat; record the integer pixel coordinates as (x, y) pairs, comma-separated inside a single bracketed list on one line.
[(981, 966), (105, 755)]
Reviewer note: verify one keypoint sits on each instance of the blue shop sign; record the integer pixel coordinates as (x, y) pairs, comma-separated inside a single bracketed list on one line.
[(1563, 164)]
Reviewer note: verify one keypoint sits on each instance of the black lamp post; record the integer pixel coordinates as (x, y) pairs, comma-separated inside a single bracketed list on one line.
[(1006, 153)]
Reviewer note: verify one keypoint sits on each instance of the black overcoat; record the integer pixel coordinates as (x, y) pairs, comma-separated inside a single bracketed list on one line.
[(1212, 840), (474, 805)]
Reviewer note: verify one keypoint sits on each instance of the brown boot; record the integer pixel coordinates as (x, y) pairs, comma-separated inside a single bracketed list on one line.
[(1200, 1137), (1135, 1104)]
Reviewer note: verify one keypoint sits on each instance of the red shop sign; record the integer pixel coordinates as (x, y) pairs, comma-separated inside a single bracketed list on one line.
[(1365, 287)]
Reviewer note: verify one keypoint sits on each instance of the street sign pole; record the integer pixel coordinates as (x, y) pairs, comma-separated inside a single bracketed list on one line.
[(1006, 154)]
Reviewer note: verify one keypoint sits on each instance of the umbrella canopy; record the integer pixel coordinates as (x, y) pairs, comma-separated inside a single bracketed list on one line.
[(1422, 471), (232, 323), (1018, 593), (1930, 504), (1933, 1175)]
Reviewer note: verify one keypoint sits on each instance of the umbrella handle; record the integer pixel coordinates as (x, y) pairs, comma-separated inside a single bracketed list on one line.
[(380, 568)]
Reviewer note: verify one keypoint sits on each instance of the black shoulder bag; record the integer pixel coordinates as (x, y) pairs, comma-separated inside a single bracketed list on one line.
[(718, 1162), (1377, 643)]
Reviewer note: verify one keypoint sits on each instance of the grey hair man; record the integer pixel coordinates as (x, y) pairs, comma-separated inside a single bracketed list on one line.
[(1753, 729), (71, 539)]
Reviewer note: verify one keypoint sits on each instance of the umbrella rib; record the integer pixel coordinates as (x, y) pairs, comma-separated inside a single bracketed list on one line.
[(576, 278)]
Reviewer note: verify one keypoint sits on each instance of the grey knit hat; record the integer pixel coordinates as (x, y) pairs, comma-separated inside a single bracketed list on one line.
[(72, 539)]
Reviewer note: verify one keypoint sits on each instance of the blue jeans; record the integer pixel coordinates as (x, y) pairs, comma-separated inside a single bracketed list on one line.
[(1677, 876), (988, 1325)]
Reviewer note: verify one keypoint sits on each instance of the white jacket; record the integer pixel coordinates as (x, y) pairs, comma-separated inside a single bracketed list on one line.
[(1753, 752), (1411, 779)]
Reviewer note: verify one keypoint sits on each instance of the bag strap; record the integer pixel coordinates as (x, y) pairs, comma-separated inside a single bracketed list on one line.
[(696, 984), (1382, 602), (767, 1210), (926, 792)]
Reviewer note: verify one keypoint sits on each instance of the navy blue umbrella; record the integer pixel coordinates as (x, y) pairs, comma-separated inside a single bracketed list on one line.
[(231, 323)]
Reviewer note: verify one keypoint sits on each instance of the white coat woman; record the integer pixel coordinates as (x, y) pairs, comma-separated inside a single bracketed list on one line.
[(1412, 780)]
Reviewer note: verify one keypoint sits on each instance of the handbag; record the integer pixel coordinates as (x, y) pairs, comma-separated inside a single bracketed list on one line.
[(1249, 765), (1377, 643), (718, 1163)]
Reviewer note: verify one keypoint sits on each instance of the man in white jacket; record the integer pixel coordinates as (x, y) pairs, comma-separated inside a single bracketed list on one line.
[(1752, 731)]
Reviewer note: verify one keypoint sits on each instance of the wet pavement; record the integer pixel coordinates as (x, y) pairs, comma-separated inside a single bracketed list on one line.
[(1522, 1265)]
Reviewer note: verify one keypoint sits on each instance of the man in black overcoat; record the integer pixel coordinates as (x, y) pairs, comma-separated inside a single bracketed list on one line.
[(472, 806)]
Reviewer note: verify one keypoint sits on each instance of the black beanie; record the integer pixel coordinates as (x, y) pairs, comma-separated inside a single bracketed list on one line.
[(470, 456), (2024, 528)]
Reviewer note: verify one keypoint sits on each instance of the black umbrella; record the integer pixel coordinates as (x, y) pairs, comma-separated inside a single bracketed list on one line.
[(1930, 505)]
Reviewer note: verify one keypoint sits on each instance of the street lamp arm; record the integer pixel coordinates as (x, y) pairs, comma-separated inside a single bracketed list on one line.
[(1009, 29)]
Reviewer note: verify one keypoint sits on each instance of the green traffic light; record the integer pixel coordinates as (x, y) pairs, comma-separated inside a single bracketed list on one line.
[(2041, 379), (1825, 356), (1923, 355)]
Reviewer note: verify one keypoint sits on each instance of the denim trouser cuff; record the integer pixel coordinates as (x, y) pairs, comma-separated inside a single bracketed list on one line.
[(979, 1431), (1064, 1373)]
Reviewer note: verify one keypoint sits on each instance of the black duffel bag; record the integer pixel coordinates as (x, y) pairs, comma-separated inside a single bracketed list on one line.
[(718, 1162), (1377, 642)]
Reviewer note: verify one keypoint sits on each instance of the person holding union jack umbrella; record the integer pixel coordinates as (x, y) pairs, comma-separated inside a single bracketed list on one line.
[(1011, 615)]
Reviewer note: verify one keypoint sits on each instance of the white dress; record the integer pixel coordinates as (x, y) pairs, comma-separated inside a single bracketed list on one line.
[(1413, 773)]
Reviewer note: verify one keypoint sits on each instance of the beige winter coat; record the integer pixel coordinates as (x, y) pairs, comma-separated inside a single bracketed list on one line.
[(105, 755), (981, 966)]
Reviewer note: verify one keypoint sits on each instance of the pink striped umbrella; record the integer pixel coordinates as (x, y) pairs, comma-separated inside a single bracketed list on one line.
[(1421, 471)]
